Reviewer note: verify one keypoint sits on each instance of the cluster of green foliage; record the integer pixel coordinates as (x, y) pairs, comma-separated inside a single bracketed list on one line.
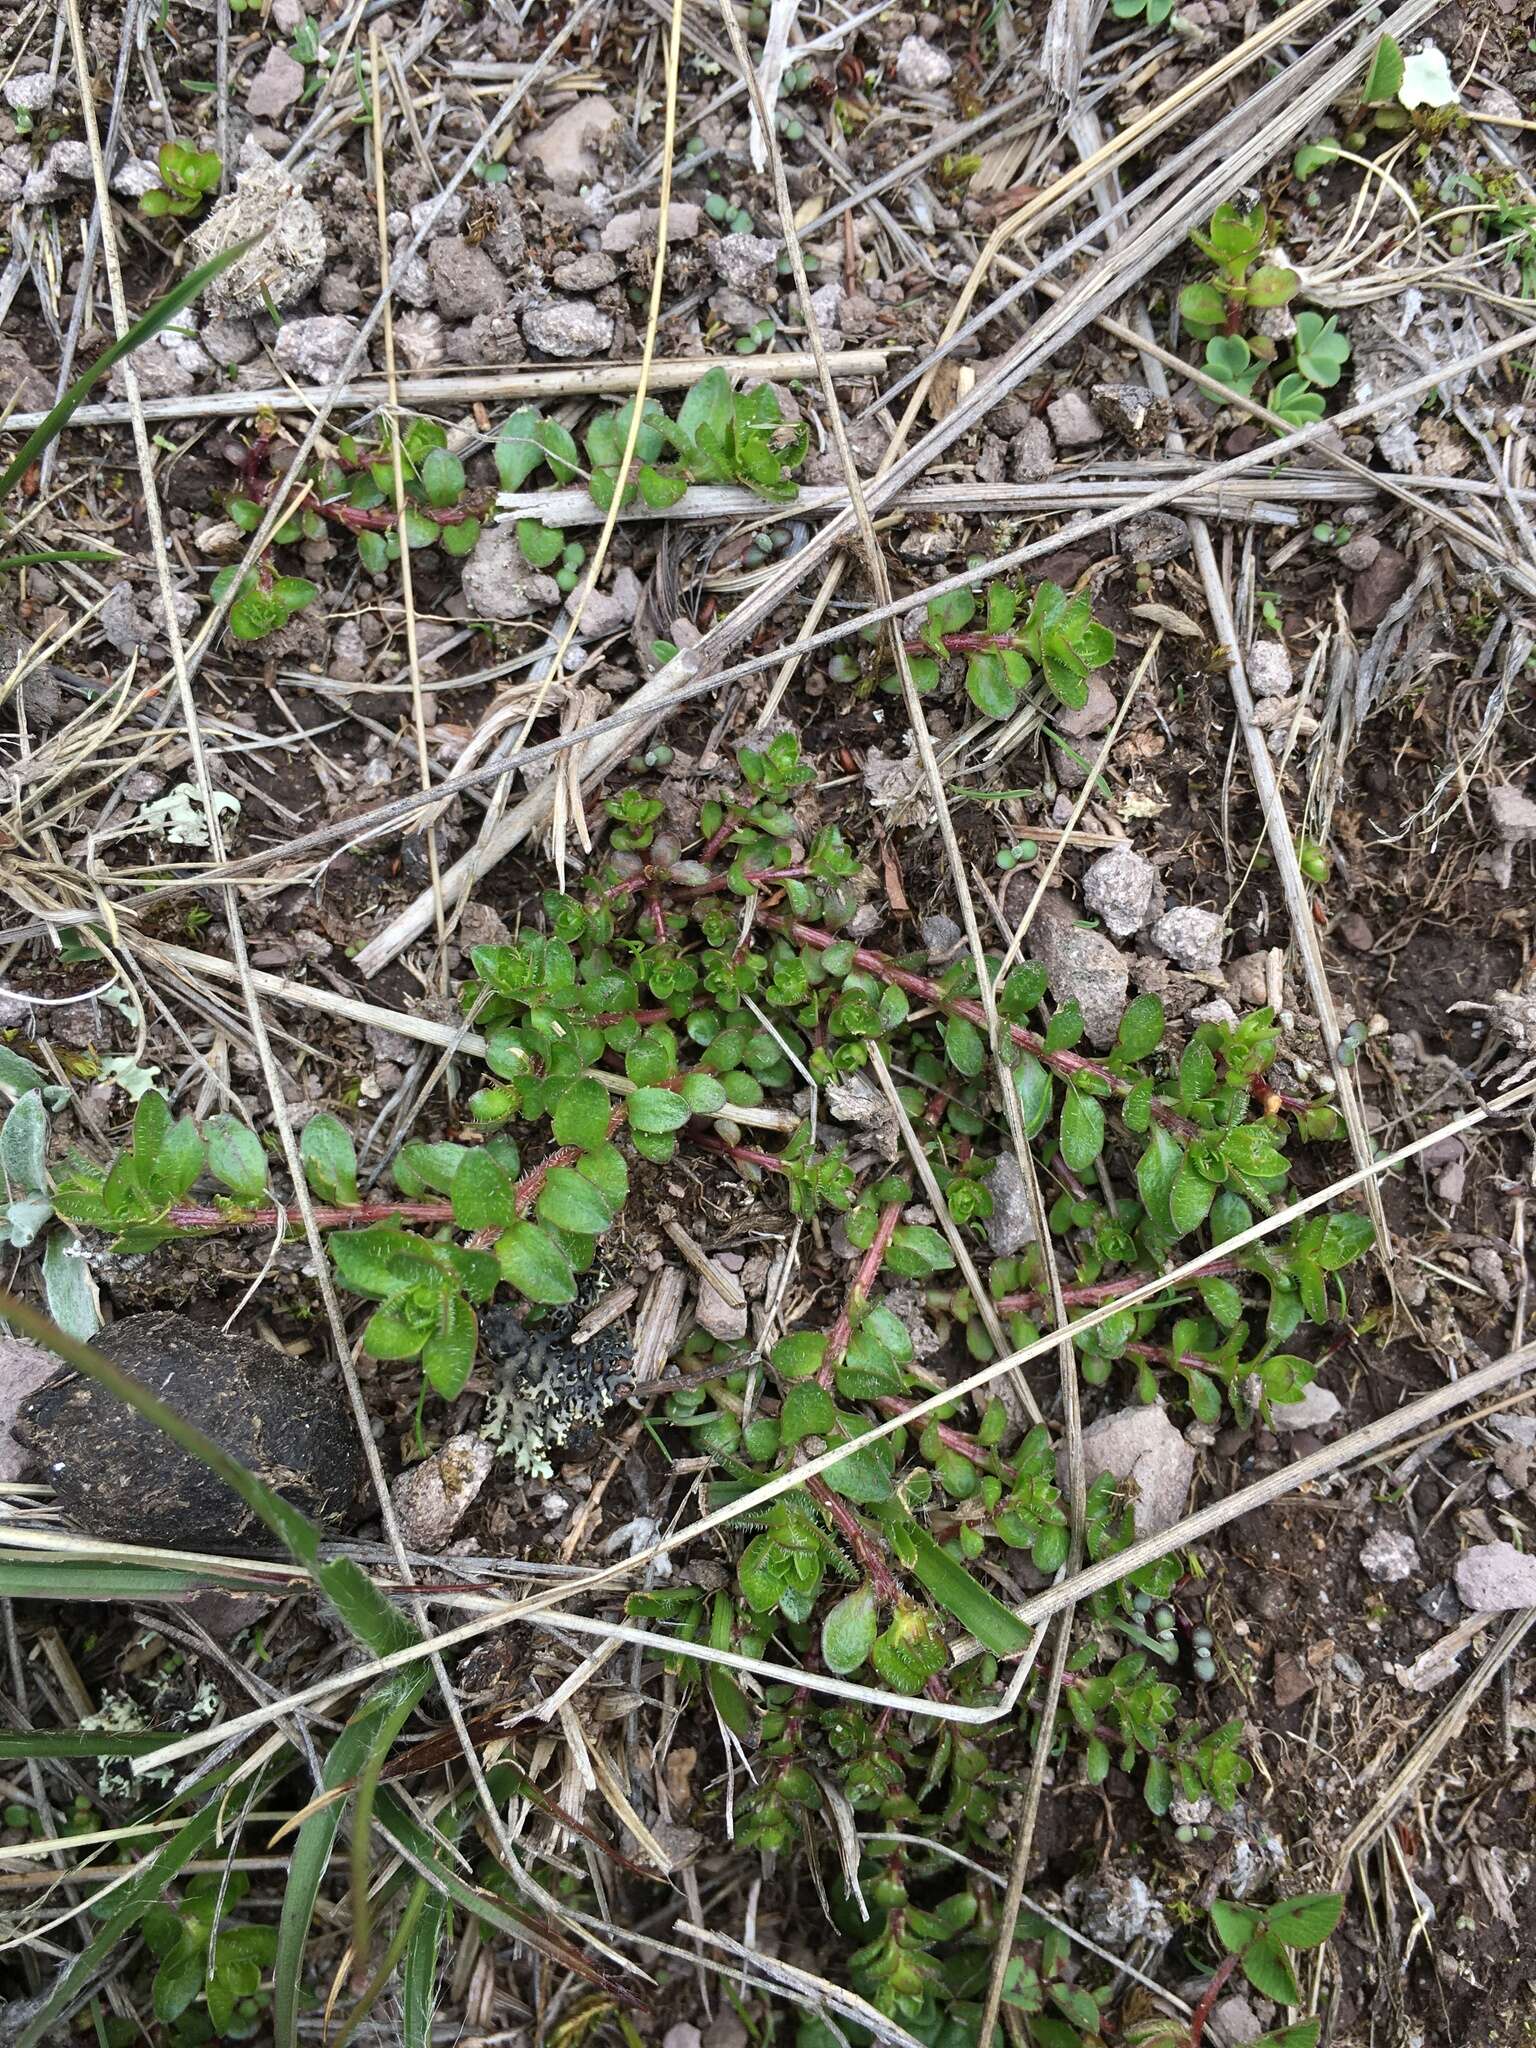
[(187, 176), (718, 436), (1215, 309), (1007, 634), (222, 1968), (645, 977)]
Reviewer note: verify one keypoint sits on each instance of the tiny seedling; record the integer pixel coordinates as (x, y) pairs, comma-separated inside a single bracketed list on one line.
[(1021, 633), (1233, 242), (263, 602), (187, 176)]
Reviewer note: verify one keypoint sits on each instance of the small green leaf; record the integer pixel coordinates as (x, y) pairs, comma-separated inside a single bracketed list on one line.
[(1307, 1920), (1082, 1130), (1383, 81), (1141, 1028), (24, 1145), (482, 1193), (808, 1411), (442, 478), (330, 1160), (1235, 1925), (848, 1632), (1201, 305), (236, 1157), (657, 1110), (965, 1046), (448, 1356), (532, 1262), (581, 1115), (569, 1201), (1268, 1969), (1189, 1199), (799, 1355), (917, 1250), (540, 544)]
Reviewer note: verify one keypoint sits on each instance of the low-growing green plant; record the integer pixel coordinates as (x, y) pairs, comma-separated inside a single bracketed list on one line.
[(263, 601), (1216, 309), (1007, 635), (187, 176), (719, 436), (1239, 283), (1153, 12), (218, 1961)]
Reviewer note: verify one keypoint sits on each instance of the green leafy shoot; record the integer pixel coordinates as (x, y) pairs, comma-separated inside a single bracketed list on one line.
[(187, 176)]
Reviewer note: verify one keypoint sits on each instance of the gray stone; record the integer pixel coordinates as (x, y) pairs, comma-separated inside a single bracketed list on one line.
[(1512, 812), (567, 327), (1217, 1011), (826, 304), (609, 611), (1360, 552), (1118, 888), (24, 1367), (314, 349), (32, 93), (1493, 1578), (1083, 966), (1010, 1226), (724, 1320), (1315, 1410), (587, 272), (419, 340), (1030, 454), (227, 342), (1191, 938), (277, 86), (637, 229), (1074, 423), (1388, 1556), (1092, 716), (498, 583), (67, 163), (134, 178), (1142, 1445), (464, 279), (1134, 411), (745, 261), (1236, 2022), (289, 253), (166, 367), (920, 67), (432, 1498), (1154, 538), (940, 934), (566, 148), (1269, 669)]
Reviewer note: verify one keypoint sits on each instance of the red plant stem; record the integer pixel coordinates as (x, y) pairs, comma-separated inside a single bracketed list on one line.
[(1061, 1062), (1208, 1998), (1109, 1290), (952, 1439), (871, 1557), (970, 643), (869, 1552), (1158, 1354), (745, 1153), (841, 1333), (190, 1216)]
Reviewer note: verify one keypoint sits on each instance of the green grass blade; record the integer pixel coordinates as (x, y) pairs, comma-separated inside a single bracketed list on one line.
[(369, 1733), (38, 1745), (978, 1612), (88, 1578), (45, 555), (176, 300), (418, 1977)]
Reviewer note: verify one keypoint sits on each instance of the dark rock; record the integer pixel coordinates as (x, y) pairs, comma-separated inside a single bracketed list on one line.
[(1378, 587), (119, 1476), (1134, 411)]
